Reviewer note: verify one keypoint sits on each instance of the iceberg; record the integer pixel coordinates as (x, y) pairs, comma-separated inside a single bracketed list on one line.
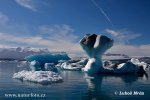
[(41, 77), (95, 46), (35, 66), (47, 58), (138, 63)]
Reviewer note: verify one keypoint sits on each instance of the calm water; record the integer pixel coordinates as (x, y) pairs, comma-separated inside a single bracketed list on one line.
[(75, 86)]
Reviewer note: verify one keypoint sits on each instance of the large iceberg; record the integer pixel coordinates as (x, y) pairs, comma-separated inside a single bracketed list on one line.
[(42, 77), (95, 46), (48, 58), (42, 68), (36, 74)]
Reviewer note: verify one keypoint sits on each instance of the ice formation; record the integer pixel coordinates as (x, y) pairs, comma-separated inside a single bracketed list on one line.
[(47, 58), (42, 77), (42, 68), (74, 64), (138, 63), (95, 46)]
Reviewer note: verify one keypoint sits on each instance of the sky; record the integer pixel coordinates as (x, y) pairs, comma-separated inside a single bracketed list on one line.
[(59, 24)]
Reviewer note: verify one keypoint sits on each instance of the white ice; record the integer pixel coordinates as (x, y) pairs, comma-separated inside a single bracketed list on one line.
[(48, 58), (42, 77), (95, 46), (138, 63), (74, 64)]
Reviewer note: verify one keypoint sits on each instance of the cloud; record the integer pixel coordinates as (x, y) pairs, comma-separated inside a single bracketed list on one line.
[(3, 19), (121, 45), (29, 4), (102, 11), (122, 36), (112, 32), (59, 32), (55, 38), (54, 43), (141, 50)]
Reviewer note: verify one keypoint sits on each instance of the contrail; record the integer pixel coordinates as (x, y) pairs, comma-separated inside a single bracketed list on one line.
[(102, 11)]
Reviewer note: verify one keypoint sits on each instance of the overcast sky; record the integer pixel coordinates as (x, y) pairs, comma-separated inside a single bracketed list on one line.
[(59, 24)]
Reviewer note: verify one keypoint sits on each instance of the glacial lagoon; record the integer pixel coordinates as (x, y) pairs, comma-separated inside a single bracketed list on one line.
[(75, 86)]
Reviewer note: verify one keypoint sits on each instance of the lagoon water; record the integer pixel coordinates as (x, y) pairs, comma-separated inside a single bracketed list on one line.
[(76, 86)]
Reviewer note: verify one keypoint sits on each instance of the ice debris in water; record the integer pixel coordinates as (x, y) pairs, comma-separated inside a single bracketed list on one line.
[(74, 64), (42, 77), (138, 63)]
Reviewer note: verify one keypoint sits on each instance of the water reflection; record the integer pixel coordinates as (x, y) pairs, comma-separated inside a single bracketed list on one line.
[(95, 84), (94, 88)]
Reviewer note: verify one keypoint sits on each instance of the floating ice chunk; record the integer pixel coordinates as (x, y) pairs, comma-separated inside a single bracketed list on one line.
[(135, 61), (42, 77), (145, 65), (50, 67), (72, 66), (95, 46), (138, 63), (35, 65), (48, 58)]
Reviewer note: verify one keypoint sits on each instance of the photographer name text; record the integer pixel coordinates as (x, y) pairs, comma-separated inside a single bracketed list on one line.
[(125, 93)]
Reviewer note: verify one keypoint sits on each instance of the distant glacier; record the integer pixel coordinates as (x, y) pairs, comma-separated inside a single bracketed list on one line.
[(19, 53)]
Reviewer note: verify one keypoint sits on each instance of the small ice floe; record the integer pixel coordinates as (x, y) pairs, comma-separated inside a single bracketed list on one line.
[(42, 77), (74, 64), (138, 63)]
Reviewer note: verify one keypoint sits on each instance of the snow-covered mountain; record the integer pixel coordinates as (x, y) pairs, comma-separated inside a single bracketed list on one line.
[(19, 53), (110, 56)]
